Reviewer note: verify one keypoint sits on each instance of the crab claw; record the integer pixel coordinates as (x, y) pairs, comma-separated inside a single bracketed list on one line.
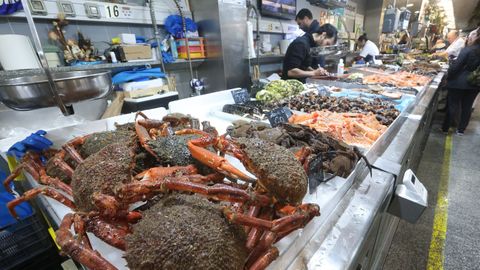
[(217, 163), (162, 172), (69, 147)]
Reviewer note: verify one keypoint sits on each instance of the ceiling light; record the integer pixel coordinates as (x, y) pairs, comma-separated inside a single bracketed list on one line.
[(410, 5)]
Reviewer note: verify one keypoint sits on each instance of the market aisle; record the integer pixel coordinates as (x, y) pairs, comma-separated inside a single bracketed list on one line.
[(410, 247)]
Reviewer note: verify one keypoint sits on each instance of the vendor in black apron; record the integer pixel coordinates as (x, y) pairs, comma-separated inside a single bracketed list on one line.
[(298, 62), (306, 22)]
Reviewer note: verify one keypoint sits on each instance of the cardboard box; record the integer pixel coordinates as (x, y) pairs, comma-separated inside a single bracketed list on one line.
[(135, 52), (139, 93)]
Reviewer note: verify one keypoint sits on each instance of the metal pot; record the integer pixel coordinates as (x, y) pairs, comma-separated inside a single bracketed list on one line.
[(33, 92)]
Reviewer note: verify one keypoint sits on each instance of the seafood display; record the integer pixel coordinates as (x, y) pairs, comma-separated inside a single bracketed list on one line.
[(354, 129), (279, 89), (425, 68), (251, 109), (195, 227), (239, 232), (384, 110), (336, 157), (399, 79), (310, 102)]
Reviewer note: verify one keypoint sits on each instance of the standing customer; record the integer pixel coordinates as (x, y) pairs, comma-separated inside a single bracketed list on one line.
[(462, 94), (456, 45)]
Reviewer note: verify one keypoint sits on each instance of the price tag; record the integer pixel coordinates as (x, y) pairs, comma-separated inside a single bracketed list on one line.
[(240, 96), (315, 173), (279, 116)]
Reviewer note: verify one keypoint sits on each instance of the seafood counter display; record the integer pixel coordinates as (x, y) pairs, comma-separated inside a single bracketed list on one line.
[(204, 191), (279, 89), (320, 153), (239, 224), (352, 128), (384, 109), (398, 79)]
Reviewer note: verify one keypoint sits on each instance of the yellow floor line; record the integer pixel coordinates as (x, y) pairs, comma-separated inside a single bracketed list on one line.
[(439, 233)]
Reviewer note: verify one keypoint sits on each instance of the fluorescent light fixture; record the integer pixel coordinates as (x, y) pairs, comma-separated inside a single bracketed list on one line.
[(410, 5)]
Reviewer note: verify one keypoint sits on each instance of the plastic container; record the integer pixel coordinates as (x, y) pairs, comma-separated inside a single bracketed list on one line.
[(192, 55), (23, 241), (191, 42), (196, 46), (340, 68), (173, 47), (193, 49)]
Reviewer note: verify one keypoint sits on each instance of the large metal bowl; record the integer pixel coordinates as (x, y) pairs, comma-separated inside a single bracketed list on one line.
[(32, 92)]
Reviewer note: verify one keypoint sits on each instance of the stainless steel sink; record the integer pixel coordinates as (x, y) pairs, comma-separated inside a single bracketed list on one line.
[(33, 92)]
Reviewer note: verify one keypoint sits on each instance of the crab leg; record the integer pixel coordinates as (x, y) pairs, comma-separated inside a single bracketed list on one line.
[(109, 207), (55, 182), (111, 234), (257, 255), (265, 259), (47, 191), (253, 211), (69, 147), (80, 229), (58, 160), (32, 165), (293, 221), (76, 250), (212, 160), (139, 191), (256, 232), (24, 165)]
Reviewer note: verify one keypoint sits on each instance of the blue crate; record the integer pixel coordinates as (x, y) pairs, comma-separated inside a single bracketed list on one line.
[(23, 241)]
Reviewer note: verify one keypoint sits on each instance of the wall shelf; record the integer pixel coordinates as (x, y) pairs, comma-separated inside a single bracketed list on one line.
[(114, 67)]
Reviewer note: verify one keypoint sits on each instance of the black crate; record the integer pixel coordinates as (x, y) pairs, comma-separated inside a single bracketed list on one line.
[(23, 241)]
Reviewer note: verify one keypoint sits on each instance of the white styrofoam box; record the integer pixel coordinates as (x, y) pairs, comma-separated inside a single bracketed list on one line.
[(130, 86), (128, 38)]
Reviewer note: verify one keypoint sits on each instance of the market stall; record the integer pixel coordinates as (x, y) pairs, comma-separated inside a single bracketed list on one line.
[(191, 137), (353, 206)]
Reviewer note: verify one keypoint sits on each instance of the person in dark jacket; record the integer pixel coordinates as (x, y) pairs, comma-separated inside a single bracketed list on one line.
[(297, 63), (461, 94), (306, 22)]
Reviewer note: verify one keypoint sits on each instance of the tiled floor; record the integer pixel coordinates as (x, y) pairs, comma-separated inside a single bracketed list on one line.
[(411, 242)]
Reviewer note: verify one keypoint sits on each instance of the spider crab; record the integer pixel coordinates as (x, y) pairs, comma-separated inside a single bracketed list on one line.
[(269, 209), (95, 176)]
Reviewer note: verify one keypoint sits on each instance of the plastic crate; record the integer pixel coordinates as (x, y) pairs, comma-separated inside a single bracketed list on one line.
[(23, 241), (192, 55), (191, 42), (193, 49)]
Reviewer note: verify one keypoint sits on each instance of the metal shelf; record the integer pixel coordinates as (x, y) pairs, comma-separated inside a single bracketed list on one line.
[(115, 67), (267, 59)]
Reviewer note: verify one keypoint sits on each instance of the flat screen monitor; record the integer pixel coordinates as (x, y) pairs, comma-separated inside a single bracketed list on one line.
[(284, 9)]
